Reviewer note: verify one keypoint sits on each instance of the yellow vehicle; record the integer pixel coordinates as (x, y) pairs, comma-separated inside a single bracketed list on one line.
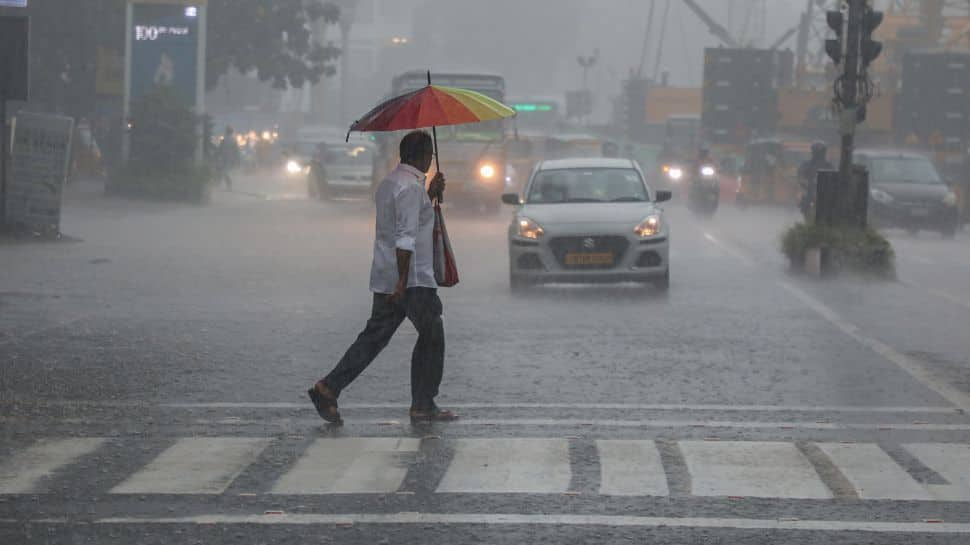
[(770, 171), (472, 156)]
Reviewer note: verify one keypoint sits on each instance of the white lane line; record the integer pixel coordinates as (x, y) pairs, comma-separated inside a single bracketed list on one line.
[(920, 259), (572, 422), (949, 297), (631, 468), (350, 465), (704, 424), (952, 461), (563, 520), (873, 473), (583, 406), (729, 250), (919, 372), (751, 469), (512, 465), (195, 465), (23, 472)]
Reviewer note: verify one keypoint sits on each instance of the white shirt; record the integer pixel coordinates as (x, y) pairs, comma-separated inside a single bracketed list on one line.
[(405, 221)]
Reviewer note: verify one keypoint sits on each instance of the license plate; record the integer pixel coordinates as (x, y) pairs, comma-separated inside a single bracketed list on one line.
[(919, 212), (605, 258)]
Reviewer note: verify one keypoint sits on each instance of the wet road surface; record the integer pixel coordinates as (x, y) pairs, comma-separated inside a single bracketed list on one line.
[(154, 375)]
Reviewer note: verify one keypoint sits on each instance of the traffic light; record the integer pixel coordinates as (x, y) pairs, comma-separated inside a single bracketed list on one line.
[(870, 49), (833, 46)]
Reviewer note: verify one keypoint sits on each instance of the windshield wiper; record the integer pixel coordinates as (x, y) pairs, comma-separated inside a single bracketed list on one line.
[(582, 200), (629, 199)]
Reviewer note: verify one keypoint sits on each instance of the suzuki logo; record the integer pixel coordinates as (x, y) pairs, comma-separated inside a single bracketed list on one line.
[(589, 244)]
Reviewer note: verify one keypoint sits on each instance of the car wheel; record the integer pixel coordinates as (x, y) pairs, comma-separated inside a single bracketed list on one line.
[(949, 232), (518, 285), (662, 283)]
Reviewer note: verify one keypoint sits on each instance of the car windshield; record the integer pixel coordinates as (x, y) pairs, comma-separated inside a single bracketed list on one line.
[(587, 185), (908, 170), (349, 155)]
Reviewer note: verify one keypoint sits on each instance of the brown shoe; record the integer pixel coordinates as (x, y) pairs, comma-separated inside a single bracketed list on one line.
[(326, 404), (433, 415)]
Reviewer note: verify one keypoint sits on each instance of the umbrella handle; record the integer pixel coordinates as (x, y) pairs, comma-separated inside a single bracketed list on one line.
[(434, 137)]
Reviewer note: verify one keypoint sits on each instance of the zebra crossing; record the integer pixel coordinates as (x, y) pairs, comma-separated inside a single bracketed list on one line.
[(628, 467)]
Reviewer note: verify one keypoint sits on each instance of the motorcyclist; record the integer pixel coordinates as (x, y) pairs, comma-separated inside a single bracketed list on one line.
[(807, 173), (703, 196)]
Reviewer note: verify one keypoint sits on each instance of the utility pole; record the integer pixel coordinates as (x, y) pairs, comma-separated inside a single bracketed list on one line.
[(586, 63), (348, 11)]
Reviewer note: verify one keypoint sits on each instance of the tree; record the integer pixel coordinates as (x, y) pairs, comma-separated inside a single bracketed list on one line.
[(268, 36), (273, 38)]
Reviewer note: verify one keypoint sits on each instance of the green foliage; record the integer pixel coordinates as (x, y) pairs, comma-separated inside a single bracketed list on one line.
[(66, 36), (161, 163), (271, 37), (863, 251)]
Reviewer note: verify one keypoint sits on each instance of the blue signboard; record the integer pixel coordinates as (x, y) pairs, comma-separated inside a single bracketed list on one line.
[(164, 49)]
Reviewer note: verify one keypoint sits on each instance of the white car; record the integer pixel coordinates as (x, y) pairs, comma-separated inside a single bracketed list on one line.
[(588, 220)]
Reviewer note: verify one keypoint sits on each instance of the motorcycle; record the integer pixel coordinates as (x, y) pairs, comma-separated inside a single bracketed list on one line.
[(704, 191)]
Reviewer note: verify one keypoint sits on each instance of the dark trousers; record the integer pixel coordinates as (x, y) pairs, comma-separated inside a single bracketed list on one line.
[(423, 308)]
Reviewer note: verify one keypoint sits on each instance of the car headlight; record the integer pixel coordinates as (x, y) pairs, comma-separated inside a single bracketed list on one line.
[(881, 196), (650, 226), (950, 199), (293, 167), (529, 229), (487, 171), (675, 174), (707, 171)]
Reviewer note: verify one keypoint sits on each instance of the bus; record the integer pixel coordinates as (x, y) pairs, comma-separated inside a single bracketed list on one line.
[(472, 156)]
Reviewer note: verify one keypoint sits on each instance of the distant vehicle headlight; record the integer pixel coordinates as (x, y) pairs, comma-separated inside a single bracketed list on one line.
[(293, 167), (487, 171), (529, 229), (707, 171), (675, 174), (650, 226), (950, 199), (880, 196)]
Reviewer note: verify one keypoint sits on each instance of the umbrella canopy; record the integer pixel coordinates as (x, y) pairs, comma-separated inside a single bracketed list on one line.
[(432, 106)]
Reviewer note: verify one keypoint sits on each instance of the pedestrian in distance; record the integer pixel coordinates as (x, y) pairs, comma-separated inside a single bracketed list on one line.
[(228, 156), (807, 175), (403, 285)]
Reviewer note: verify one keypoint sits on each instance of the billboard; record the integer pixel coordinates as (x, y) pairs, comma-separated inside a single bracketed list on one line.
[(164, 50), (41, 153)]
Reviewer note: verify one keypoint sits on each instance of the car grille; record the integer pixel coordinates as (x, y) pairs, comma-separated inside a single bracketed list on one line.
[(561, 246)]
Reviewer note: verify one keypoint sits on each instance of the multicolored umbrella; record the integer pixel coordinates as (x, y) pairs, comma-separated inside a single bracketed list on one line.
[(431, 106)]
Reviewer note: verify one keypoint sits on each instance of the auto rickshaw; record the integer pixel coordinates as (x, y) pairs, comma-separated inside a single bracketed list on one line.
[(770, 171)]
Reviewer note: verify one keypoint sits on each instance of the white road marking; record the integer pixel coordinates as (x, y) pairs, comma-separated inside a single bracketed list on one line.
[(882, 527), (729, 250), (23, 472), (195, 465), (920, 259), (631, 468), (751, 468), (952, 461), (349, 465), (919, 372), (873, 473), (949, 297), (580, 406), (703, 424), (534, 466)]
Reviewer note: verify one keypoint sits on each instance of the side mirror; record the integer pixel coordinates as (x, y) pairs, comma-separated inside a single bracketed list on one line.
[(664, 195), (511, 198)]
